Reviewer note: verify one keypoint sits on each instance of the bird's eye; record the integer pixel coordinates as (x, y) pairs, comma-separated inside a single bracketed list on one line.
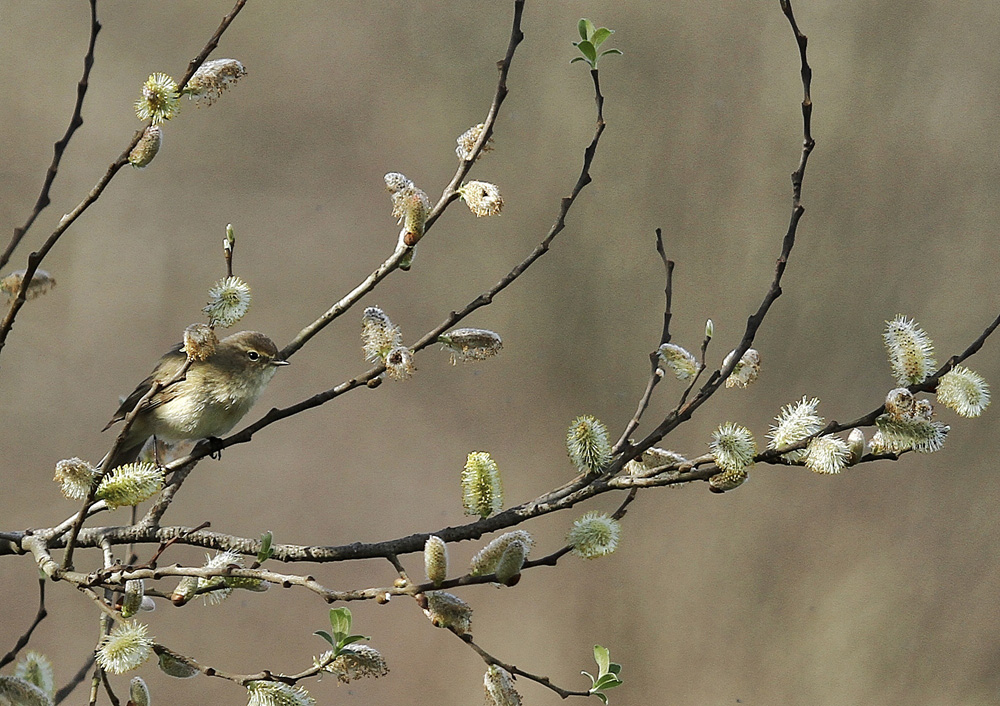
[(253, 355)]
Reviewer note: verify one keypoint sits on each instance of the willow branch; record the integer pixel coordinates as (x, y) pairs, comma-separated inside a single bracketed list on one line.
[(81, 674), (450, 194)]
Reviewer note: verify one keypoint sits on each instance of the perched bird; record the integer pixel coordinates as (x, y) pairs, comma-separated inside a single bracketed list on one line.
[(214, 395)]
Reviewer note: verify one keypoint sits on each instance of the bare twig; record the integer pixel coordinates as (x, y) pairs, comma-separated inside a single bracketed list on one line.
[(81, 674), (23, 640), (108, 690), (60, 147), (544, 681), (242, 679), (655, 374)]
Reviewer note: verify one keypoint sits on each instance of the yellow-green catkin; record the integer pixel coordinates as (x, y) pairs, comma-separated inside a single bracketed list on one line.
[(681, 362), (41, 282), (75, 477), (482, 487), (355, 661), (138, 692), (511, 561), (274, 693), (733, 447), (126, 647), (35, 668), (746, 371), (593, 535), (135, 590), (470, 344), (482, 198), (130, 484), (159, 101), (147, 147), (436, 560), (446, 610), (587, 444), (228, 302)]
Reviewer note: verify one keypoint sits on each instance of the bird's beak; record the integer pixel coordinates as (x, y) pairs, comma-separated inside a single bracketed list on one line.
[(279, 362)]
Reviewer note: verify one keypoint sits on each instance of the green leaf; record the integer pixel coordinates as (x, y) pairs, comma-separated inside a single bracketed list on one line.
[(349, 639), (326, 636), (600, 35), (266, 551), (614, 668), (608, 681), (602, 697), (340, 619), (587, 49), (603, 658), (572, 61), (586, 28), (612, 51)]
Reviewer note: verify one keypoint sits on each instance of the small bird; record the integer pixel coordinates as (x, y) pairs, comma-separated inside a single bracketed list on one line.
[(211, 399)]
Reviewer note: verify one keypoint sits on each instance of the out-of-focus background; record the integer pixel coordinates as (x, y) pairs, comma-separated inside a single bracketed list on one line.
[(877, 586)]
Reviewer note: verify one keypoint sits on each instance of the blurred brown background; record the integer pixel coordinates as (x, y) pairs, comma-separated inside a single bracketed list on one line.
[(878, 587)]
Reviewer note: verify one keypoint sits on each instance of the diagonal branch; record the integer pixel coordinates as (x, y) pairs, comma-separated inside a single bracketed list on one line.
[(450, 194)]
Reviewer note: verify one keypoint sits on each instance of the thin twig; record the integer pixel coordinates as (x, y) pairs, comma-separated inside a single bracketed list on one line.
[(81, 674), (107, 688), (242, 679), (60, 147), (656, 373), (39, 617), (544, 681)]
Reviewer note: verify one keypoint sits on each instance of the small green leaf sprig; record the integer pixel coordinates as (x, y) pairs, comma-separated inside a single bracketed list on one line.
[(591, 40), (607, 675), (341, 637)]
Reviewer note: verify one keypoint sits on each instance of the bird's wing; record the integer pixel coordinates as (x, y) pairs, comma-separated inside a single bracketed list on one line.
[(170, 363)]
